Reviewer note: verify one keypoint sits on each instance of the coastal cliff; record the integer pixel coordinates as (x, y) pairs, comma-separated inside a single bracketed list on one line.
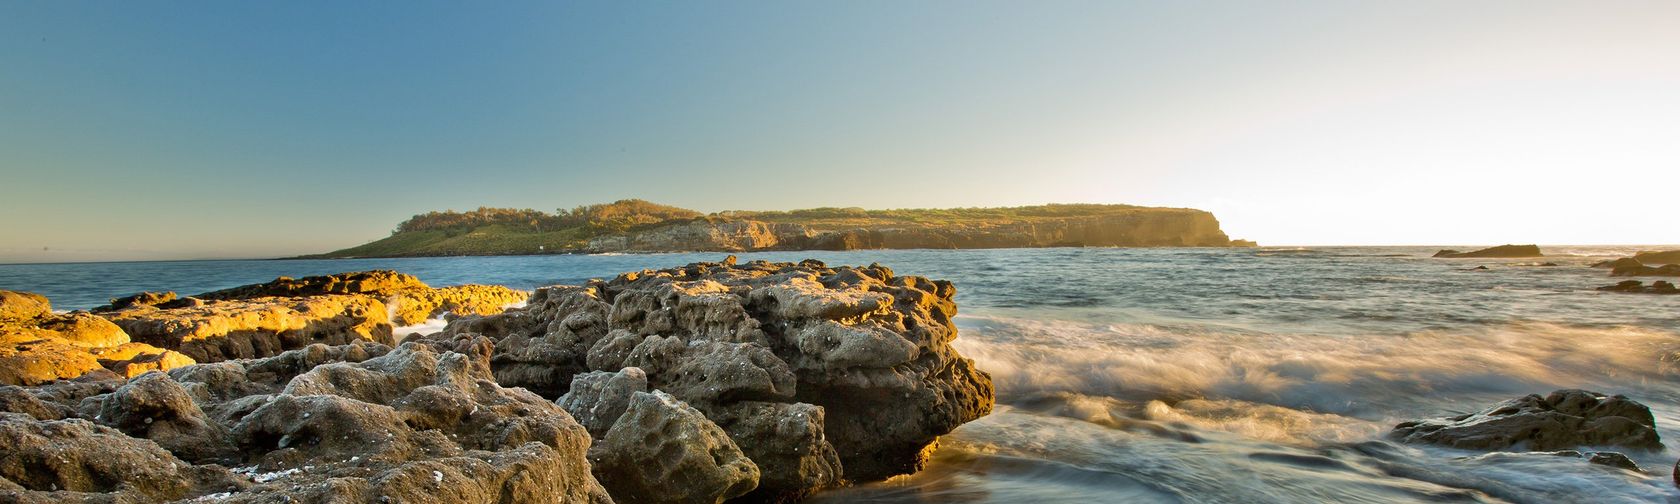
[(639, 226)]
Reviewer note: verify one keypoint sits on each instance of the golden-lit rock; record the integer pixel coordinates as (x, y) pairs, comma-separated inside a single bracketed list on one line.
[(257, 327)]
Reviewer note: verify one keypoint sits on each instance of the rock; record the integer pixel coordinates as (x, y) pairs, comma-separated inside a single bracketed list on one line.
[(1663, 257), (19, 306), (257, 327), (350, 423), (663, 451), (1563, 419), (598, 398), (1613, 459), (141, 299), (411, 301), (416, 306), (1643, 270), (856, 362), (786, 440), (1505, 251), (38, 346), (1625, 262), (155, 407), (40, 361), (59, 460), (376, 282), (1638, 287)]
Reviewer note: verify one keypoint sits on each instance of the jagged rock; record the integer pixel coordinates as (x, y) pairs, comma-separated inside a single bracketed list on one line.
[(39, 346), (761, 349), (1563, 419), (257, 327), (1508, 251), (664, 451), (598, 398), (1643, 270), (74, 459), (1638, 287)]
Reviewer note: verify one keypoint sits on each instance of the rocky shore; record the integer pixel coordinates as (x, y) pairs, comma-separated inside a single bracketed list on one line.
[(760, 382)]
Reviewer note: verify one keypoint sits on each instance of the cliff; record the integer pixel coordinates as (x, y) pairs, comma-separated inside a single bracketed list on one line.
[(493, 231)]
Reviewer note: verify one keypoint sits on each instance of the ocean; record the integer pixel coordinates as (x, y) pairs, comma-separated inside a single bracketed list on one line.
[(1191, 375)]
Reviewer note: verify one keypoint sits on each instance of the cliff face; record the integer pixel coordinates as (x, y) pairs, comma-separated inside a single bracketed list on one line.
[(1186, 228)]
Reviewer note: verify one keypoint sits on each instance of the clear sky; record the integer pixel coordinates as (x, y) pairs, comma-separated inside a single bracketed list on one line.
[(147, 130)]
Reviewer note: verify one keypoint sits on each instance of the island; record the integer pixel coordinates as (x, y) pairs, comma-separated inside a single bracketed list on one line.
[(635, 225)]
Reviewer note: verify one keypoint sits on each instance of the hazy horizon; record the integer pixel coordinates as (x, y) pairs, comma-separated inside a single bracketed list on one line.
[(211, 130)]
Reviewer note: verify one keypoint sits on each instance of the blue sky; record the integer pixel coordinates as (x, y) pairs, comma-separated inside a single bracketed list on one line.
[(243, 129)]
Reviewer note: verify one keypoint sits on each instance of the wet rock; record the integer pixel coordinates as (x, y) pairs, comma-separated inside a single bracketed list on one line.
[(1508, 251), (1563, 419), (1643, 270), (663, 451), (1638, 287), (1625, 262)]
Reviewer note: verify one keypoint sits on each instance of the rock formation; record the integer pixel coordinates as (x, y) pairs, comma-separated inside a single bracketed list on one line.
[(39, 346), (709, 382), (1638, 287), (262, 320), (1643, 270), (1502, 251), (817, 374), (352, 423), (1654, 258), (1562, 420)]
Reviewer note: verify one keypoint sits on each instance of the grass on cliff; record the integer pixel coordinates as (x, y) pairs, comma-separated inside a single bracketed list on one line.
[(493, 239), (497, 231)]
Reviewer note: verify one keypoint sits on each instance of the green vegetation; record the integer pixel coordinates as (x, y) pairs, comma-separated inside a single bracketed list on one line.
[(499, 231)]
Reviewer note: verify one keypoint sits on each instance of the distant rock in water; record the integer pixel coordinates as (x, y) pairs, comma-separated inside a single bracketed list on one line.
[(1643, 270), (1562, 420), (1625, 262), (1502, 251), (1664, 257), (1638, 287)]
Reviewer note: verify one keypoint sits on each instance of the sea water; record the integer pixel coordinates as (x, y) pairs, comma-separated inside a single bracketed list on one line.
[(1191, 375)]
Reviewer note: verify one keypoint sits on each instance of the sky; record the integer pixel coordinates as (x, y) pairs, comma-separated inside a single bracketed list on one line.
[(164, 130)]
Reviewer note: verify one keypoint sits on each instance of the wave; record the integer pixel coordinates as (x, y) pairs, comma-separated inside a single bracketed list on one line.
[(1368, 376)]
